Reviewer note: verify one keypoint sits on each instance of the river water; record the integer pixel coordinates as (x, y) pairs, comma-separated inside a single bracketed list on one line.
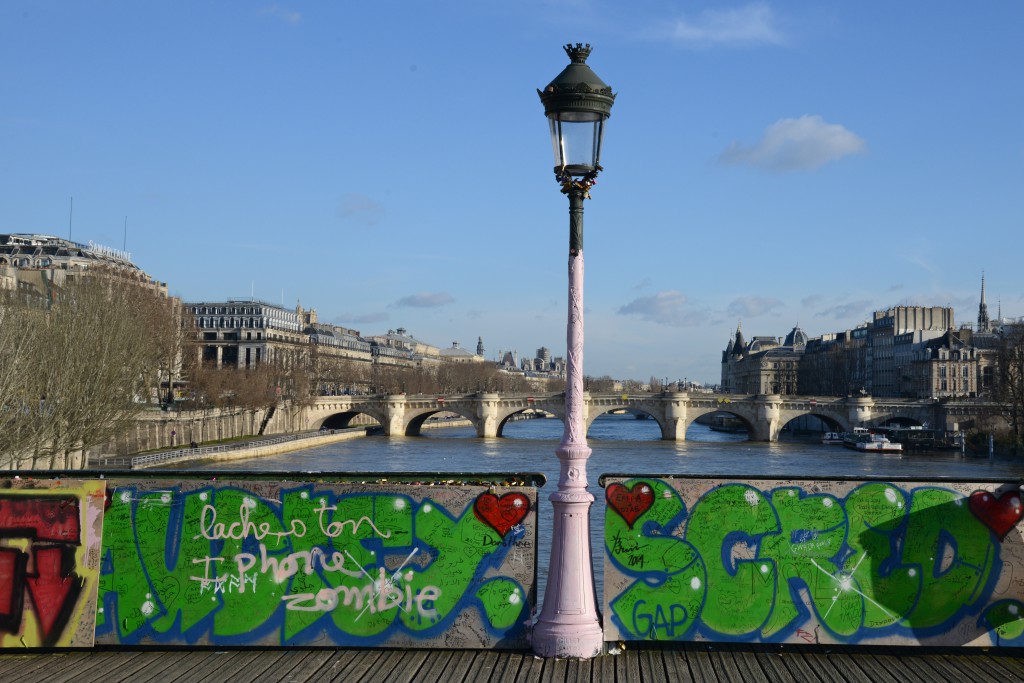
[(621, 444)]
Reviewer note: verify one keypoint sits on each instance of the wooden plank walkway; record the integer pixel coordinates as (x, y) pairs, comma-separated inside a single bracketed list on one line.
[(703, 662)]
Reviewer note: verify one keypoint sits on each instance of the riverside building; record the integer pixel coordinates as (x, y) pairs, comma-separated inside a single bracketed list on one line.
[(34, 263), (902, 352)]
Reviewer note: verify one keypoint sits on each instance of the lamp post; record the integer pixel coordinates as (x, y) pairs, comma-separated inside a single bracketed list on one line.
[(577, 104)]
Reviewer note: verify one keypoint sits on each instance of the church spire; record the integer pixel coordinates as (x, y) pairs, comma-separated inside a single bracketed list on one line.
[(983, 323), (739, 347)]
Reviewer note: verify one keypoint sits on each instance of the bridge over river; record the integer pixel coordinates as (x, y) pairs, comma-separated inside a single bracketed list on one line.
[(763, 415)]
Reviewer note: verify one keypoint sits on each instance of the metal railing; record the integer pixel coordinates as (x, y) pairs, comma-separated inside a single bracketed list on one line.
[(136, 461)]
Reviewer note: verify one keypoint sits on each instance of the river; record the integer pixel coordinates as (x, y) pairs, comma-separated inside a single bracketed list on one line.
[(621, 444)]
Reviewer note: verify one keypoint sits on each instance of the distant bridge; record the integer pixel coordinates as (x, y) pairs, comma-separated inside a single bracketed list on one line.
[(764, 416)]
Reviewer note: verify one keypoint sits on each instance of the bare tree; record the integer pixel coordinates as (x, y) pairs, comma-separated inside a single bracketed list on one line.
[(21, 388), (84, 372), (170, 327), (632, 386), (1008, 388)]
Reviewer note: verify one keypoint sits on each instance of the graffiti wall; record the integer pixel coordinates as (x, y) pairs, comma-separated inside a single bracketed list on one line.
[(267, 563), (814, 562), (245, 563), (49, 562)]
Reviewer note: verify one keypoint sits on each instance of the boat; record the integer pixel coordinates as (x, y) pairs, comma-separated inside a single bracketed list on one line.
[(925, 439), (867, 442), (833, 438)]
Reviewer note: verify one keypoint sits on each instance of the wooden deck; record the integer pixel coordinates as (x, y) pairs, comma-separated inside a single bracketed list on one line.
[(732, 664)]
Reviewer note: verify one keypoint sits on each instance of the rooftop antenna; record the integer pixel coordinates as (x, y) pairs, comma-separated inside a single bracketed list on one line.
[(71, 213), (124, 243), (252, 290)]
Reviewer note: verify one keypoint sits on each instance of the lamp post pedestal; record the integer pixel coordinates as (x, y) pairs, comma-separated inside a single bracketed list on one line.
[(569, 625)]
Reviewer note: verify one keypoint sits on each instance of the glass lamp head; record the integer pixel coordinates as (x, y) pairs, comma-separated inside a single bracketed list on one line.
[(577, 103)]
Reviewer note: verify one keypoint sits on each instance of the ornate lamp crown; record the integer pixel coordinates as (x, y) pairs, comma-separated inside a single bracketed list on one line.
[(577, 54), (577, 87)]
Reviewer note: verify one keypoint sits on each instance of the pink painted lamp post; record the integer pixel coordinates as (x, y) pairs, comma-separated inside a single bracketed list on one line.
[(577, 103)]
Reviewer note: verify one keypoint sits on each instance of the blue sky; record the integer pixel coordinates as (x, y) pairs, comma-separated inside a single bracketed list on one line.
[(388, 163)]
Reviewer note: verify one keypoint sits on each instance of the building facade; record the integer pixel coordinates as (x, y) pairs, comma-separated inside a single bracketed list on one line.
[(242, 333), (765, 365), (903, 351), (893, 336), (34, 263)]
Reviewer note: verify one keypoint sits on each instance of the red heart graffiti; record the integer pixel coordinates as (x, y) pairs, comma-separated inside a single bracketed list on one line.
[(998, 513), (502, 513), (630, 503)]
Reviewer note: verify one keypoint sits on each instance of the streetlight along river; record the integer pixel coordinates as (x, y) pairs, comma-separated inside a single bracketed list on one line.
[(627, 446)]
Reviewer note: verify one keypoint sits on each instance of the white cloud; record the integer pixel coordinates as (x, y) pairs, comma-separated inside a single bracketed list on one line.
[(359, 318), (361, 209), (283, 13), (801, 144), (752, 24), (853, 309), (425, 300), (665, 308), (753, 306)]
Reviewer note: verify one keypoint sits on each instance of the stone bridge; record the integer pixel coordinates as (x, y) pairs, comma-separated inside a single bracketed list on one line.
[(764, 416)]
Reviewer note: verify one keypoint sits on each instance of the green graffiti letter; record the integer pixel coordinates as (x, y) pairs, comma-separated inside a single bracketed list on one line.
[(954, 551), (876, 514), (667, 609), (726, 528), (812, 535)]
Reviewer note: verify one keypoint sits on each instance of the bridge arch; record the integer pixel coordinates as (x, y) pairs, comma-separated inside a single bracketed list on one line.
[(734, 409), (738, 415), (342, 420), (656, 414), (652, 407), (415, 419), (833, 421), (510, 417)]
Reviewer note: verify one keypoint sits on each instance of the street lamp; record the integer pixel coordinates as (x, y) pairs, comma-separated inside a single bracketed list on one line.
[(577, 104)]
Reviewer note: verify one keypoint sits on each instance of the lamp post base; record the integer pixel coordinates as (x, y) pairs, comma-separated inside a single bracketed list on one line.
[(575, 641), (569, 625)]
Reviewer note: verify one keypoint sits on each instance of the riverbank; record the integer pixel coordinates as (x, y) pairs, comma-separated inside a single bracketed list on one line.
[(254, 449), (264, 450)]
